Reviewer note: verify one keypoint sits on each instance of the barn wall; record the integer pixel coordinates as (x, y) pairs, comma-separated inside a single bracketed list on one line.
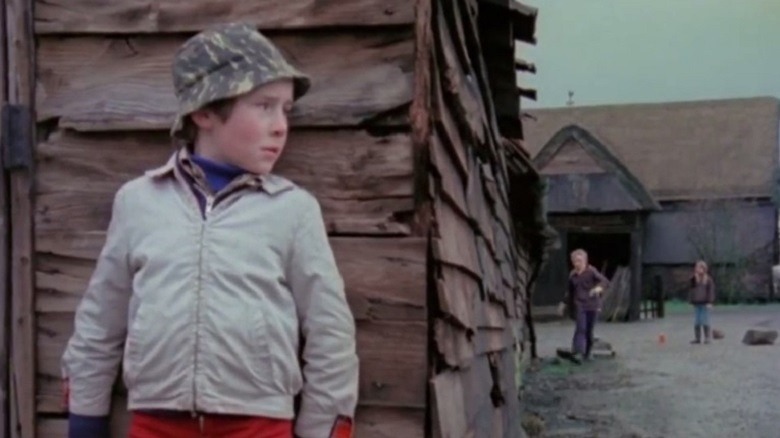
[(479, 272), (737, 238), (105, 101)]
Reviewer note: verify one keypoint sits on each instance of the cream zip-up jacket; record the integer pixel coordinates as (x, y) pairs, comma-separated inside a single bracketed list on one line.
[(207, 313)]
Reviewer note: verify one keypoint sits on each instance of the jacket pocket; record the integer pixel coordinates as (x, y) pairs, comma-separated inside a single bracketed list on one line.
[(260, 348), (135, 346)]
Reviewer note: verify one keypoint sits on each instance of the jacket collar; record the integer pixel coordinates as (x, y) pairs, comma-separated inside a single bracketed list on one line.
[(271, 184)]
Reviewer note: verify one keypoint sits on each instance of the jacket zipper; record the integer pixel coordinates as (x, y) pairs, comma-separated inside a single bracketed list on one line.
[(207, 209)]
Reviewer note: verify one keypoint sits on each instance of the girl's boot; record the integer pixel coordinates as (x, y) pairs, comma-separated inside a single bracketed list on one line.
[(697, 331)]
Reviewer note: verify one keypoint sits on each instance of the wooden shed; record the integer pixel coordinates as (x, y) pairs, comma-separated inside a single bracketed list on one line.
[(410, 139)]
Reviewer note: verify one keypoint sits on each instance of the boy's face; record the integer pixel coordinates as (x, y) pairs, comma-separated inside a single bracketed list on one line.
[(579, 261), (254, 135)]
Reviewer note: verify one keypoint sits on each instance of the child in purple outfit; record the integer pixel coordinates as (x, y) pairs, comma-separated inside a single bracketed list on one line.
[(586, 286)]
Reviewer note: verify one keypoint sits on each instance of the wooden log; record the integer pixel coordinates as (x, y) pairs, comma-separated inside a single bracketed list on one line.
[(455, 245), (366, 264), (393, 362), (20, 75), (96, 83), (453, 343), (449, 412), (375, 422), (159, 16), (362, 182)]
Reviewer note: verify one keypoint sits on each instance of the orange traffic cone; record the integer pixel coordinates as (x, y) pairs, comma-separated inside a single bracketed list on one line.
[(662, 338)]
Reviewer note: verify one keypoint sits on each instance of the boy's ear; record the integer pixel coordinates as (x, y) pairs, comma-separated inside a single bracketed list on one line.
[(204, 119)]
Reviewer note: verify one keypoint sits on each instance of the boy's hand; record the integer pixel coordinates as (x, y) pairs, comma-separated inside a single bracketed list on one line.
[(709, 306), (598, 290)]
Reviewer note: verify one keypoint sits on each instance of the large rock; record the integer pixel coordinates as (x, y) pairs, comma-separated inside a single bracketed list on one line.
[(760, 337)]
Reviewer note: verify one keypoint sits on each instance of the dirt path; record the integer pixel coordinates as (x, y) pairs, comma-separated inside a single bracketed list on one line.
[(650, 389)]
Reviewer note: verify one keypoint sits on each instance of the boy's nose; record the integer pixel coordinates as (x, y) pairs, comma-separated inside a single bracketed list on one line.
[(280, 124)]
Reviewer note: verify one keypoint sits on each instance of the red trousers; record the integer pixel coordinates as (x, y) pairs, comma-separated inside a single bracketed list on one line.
[(207, 426)]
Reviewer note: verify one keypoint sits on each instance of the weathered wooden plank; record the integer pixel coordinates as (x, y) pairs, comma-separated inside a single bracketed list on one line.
[(477, 203), (449, 412), (5, 253), (447, 129), (375, 422), (491, 277), (453, 343), (457, 292), (385, 279), (379, 422), (492, 340), (158, 16), (363, 182), (461, 91), (477, 384), (95, 83), (452, 186), (393, 362), (455, 245), (20, 74)]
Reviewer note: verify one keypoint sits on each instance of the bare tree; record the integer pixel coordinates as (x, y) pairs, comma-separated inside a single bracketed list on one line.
[(715, 236)]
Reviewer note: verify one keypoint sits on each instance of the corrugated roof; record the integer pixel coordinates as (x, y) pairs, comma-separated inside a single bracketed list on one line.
[(681, 150)]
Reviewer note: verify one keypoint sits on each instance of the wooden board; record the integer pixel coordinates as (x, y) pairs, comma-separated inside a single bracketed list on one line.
[(393, 362), (452, 186), (455, 245), (449, 412), (374, 422), (477, 384), (457, 292), (453, 343), (157, 16), (20, 73), (363, 182), (96, 83), (5, 252), (461, 91), (385, 279), (478, 205)]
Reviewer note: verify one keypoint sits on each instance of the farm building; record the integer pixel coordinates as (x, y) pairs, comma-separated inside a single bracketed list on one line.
[(409, 139), (654, 187)]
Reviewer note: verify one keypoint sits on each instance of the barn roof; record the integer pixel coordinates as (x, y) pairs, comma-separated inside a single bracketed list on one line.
[(612, 188), (683, 150)]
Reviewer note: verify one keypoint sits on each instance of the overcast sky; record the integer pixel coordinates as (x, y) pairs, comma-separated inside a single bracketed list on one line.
[(616, 51)]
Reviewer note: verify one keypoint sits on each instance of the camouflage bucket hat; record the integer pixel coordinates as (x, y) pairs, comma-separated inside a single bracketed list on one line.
[(225, 62)]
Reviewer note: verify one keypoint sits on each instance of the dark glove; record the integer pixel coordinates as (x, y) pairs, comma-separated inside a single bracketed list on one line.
[(83, 426)]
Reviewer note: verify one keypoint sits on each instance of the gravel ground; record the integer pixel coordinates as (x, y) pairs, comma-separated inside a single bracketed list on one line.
[(653, 389)]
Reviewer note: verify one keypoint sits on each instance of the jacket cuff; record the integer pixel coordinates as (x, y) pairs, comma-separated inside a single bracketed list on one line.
[(83, 426)]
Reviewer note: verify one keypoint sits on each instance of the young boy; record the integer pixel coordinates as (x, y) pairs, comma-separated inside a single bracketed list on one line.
[(586, 285), (214, 272)]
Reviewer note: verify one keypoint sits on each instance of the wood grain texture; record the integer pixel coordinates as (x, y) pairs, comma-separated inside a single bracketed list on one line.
[(162, 16), (385, 279), (455, 245), (393, 359), (449, 409), (453, 344), (20, 75), (97, 83), (362, 182)]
